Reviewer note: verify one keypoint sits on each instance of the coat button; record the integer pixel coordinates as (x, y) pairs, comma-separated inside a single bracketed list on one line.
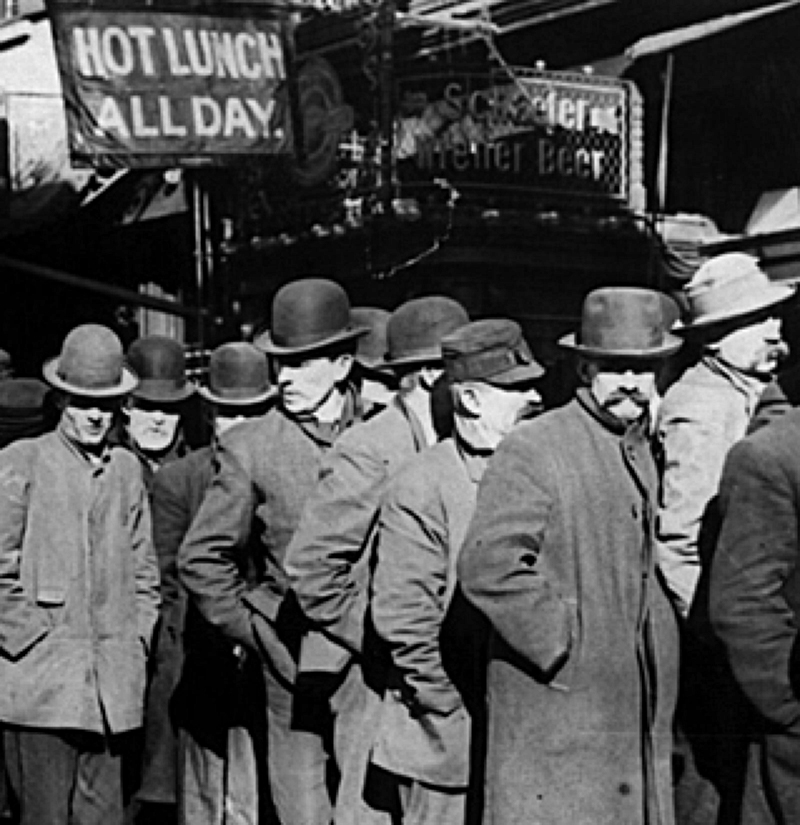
[(625, 789)]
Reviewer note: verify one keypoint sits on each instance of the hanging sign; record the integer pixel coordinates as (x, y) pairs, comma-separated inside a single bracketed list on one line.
[(149, 87), (550, 133)]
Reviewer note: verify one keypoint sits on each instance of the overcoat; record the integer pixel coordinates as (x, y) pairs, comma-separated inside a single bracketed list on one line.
[(754, 599), (78, 587), (583, 662)]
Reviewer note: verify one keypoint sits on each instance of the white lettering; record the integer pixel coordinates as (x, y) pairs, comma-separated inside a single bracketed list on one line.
[(143, 35), (236, 119), (207, 116), (169, 128), (176, 67), (271, 55), (109, 118), (86, 44), (117, 51), (243, 44), (202, 66), (224, 54), (263, 114), (138, 125)]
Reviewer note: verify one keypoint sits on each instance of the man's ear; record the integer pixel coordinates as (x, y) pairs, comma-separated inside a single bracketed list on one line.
[(343, 363), (469, 400)]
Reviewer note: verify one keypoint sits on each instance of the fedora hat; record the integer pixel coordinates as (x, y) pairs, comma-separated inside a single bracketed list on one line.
[(238, 374), (160, 363), (727, 287), (622, 322), (416, 328), (308, 315), (91, 363), (493, 351)]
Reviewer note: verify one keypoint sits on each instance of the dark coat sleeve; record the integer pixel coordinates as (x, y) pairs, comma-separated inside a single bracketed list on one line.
[(210, 558), (755, 556), (506, 567), (782, 395)]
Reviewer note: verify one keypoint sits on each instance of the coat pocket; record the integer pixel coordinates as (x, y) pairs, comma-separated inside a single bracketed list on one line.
[(570, 676)]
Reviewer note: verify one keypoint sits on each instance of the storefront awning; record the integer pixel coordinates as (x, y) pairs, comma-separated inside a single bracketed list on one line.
[(666, 41)]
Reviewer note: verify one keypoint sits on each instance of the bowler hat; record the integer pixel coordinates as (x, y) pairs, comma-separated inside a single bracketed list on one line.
[(622, 322), (493, 350), (416, 328), (238, 374), (91, 363), (24, 411), (307, 315), (160, 363), (727, 287), (372, 346)]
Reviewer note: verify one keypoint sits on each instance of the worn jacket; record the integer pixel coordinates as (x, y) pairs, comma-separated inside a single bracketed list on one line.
[(267, 470), (329, 557), (78, 587), (425, 730), (583, 662), (702, 416)]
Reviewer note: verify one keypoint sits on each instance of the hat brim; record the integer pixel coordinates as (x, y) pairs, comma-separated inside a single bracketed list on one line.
[(171, 397), (521, 374), (249, 401), (127, 384), (425, 357), (776, 295), (265, 343), (670, 346)]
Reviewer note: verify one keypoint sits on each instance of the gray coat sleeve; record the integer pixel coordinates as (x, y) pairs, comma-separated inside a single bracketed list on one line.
[(755, 556), (506, 566), (209, 558)]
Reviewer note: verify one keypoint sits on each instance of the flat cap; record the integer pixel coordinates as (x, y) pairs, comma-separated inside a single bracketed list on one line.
[(493, 350)]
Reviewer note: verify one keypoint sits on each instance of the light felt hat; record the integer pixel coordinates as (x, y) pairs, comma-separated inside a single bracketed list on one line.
[(727, 287), (622, 322), (238, 375), (91, 364)]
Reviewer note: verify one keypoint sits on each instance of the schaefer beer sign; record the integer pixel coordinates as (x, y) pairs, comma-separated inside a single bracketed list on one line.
[(149, 86)]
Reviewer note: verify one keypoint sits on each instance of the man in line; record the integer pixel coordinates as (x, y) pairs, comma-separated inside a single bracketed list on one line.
[(754, 604), (267, 470), (78, 594), (330, 555), (376, 383), (212, 708), (733, 311), (423, 736), (559, 557)]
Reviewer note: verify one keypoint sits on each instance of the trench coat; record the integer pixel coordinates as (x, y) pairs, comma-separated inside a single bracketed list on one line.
[(424, 730), (754, 601), (79, 591), (583, 660)]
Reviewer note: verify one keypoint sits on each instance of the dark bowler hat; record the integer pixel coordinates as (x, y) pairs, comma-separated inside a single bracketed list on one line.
[(238, 374), (372, 346), (493, 351), (160, 363), (308, 315), (24, 412), (622, 322), (416, 328), (91, 363)]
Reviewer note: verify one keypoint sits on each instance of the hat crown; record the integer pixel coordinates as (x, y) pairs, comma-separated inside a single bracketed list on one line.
[(731, 285), (371, 347), (309, 311), (416, 328), (622, 320), (160, 363), (237, 372), (91, 358), (492, 350)]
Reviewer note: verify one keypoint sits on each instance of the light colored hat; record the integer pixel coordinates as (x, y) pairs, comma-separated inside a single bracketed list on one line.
[(91, 363), (622, 322), (238, 375), (730, 286)]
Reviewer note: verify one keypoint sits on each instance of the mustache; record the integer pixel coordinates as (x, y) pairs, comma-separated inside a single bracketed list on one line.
[(636, 396)]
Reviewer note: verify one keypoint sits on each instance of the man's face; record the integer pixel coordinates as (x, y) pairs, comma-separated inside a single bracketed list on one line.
[(757, 348), (622, 387), (151, 425), (501, 408), (86, 421), (305, 383)]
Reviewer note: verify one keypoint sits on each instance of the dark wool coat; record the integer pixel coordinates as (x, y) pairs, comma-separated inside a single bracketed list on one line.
[(754, 596), (583, 666), (78, 587)]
